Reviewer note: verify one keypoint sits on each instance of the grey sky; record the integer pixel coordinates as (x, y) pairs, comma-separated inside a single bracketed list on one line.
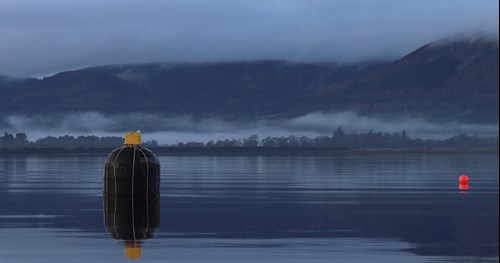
[(44, 37)]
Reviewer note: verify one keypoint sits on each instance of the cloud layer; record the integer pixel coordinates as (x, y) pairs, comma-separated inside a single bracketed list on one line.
[(40, 38), (174, 129)]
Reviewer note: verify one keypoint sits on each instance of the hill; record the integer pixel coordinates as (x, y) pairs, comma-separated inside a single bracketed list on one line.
[(454, 80), (230, 89)]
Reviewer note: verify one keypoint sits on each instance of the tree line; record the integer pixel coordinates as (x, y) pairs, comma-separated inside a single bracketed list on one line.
[(338, 139), (20, 141)]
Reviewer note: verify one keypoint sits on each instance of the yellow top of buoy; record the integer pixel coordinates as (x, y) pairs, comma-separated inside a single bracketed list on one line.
[(132, 252), (133, 138)]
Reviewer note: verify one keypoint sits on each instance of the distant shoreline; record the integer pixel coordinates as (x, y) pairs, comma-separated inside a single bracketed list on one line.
[(261, 151)]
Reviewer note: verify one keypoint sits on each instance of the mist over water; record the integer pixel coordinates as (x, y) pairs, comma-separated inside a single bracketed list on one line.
[(172, 129)]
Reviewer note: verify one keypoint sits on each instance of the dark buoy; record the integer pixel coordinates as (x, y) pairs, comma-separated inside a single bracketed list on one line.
[(132, 169), (463, 182), (131, 194)]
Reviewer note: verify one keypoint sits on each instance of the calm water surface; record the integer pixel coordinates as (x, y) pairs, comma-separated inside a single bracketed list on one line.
[(350, 208)]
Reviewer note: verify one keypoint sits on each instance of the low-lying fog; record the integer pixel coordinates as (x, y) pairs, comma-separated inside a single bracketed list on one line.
[(169, 130)]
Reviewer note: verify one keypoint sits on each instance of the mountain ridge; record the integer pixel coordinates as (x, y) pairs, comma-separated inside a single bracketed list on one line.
[(454, 76), (450, 80)]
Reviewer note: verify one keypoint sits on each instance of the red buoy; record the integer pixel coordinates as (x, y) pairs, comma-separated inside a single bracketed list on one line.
[(463, 179), (463, 182)]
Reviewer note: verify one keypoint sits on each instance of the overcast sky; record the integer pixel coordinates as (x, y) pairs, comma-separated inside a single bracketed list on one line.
[(40, 38)]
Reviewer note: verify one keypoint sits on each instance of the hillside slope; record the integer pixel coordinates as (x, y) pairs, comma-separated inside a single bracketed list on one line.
[(454, 80), (229, 89)]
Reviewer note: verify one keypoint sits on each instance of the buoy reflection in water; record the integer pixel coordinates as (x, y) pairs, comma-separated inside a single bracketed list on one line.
[(131, 219)]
